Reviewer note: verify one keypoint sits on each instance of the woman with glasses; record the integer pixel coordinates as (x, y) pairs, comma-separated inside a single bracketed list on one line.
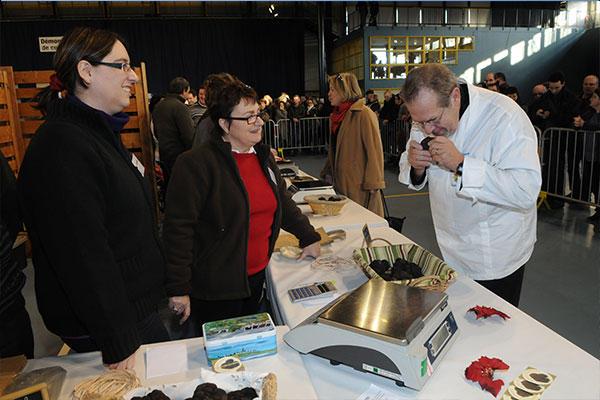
[(227, 203), (89, 212), (355, 160)]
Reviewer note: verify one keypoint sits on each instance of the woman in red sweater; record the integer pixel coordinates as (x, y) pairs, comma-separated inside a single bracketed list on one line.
[(227, 202)]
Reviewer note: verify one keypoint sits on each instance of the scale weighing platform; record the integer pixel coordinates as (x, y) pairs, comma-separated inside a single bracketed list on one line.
[(395, 331)]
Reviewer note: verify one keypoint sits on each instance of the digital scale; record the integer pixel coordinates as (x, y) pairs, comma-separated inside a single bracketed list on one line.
[(395, 331), (299, 189)]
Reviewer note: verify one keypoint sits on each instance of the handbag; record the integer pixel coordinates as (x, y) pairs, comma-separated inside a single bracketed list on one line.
[(396, 223)]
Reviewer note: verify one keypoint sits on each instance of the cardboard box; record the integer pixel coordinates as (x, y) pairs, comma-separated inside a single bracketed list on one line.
[(247, 337)]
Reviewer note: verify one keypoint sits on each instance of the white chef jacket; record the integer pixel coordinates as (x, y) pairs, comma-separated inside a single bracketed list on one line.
[(485, 221)]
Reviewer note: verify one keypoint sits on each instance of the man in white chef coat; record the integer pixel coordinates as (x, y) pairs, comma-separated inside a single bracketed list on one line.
[(483, 172)]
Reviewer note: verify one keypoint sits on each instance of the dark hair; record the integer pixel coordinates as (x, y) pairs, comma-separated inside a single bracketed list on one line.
[(83, 43), (194, 92), (178, 85), (510, 90), (368, 92), (224, 101), (500, 75), (215, 83), (154, 101), (557, 76)]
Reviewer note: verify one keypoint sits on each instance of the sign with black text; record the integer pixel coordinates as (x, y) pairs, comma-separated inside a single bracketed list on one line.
[(49, 44)]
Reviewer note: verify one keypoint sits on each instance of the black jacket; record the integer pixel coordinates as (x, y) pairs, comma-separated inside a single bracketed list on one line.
[(173, 126), (12, 278), (563, 107), (207, 221), (99, 266)]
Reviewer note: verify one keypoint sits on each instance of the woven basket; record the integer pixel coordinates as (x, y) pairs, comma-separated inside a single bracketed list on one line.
[(437, 274), (325, 207)]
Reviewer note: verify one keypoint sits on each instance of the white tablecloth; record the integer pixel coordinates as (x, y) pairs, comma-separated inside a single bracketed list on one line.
[(353, 216), (293, 381), (521, 341)]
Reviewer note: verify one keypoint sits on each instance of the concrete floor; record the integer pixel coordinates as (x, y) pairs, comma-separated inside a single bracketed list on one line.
[(561, 288)]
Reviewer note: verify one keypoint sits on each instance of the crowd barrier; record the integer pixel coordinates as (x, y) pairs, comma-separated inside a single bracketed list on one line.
[(393, 137), (570, 162), (307, 133)]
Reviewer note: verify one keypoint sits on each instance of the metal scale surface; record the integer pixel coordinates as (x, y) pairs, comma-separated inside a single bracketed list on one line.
[(391, 330)]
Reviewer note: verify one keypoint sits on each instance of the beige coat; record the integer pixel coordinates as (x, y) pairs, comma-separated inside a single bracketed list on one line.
[(358, 164)]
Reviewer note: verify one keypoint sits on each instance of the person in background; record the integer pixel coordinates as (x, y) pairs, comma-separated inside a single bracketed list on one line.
[(501, 81), (389, 111), (537, 91), (173, 124), (590, 121), (263, 110), (213, 84), (556, 109), (196, 109), (297, 110), (590, 84), (311, 110), (355, 159), (371, 102), (513, 93), (483, 174), (228, 203), (89, 211), (490, 79), (16, 336)]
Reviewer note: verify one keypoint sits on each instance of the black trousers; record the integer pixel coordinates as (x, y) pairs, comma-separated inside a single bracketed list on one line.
[(151, 330), (16, 336), (509, 287), (207, 311)]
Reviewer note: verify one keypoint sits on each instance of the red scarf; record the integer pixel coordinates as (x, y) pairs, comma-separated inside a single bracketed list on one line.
[(338, 114)]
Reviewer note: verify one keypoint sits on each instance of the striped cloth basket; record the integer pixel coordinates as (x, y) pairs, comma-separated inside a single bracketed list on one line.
[(437, 274)]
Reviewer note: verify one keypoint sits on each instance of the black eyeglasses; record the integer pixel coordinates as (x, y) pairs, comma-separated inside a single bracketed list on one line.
[(125, 67), (339, 77), (251, 120)]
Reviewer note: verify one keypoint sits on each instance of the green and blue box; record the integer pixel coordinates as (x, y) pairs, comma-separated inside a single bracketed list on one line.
[(247, 337)]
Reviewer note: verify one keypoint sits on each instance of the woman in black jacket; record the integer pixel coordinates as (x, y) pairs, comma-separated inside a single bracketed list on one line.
[(227, 203), (89, 212)]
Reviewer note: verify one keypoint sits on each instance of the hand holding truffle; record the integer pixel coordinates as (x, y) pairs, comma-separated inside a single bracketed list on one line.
[(444, 153)]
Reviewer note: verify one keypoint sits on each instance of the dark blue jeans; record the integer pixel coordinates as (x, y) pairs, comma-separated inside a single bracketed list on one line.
[(151, 330)]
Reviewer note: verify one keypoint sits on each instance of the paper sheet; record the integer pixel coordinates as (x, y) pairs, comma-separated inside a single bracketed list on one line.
[(377, 393), (167, 359)]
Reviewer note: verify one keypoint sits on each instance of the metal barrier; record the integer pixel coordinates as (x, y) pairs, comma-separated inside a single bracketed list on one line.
[(571, 165), (393, 137), (307, 133)]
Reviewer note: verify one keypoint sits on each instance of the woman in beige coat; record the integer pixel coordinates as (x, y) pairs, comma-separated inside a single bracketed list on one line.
[(355, 159)]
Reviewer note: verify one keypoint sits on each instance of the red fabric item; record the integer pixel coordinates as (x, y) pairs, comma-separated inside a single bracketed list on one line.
[(338, 114), (482, 372), (485, 312), (55, 83), (262, 210)]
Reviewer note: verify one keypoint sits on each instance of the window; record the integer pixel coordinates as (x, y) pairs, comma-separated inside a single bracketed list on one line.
[(392, 57)]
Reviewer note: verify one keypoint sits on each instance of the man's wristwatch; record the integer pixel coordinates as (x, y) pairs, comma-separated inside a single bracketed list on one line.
[(459, 169)]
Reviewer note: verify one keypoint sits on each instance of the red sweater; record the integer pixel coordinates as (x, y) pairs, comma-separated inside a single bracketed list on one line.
[(262, 209)]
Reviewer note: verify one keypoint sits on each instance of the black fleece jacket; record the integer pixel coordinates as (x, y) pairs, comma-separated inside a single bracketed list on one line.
[(207, 221), (99, 266)]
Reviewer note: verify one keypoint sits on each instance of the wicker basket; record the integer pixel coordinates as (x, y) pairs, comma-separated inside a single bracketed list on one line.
[(325, 207), (437, 274)]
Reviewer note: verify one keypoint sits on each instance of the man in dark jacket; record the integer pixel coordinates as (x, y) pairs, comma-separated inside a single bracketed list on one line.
[(556, 109), (173, 124)]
